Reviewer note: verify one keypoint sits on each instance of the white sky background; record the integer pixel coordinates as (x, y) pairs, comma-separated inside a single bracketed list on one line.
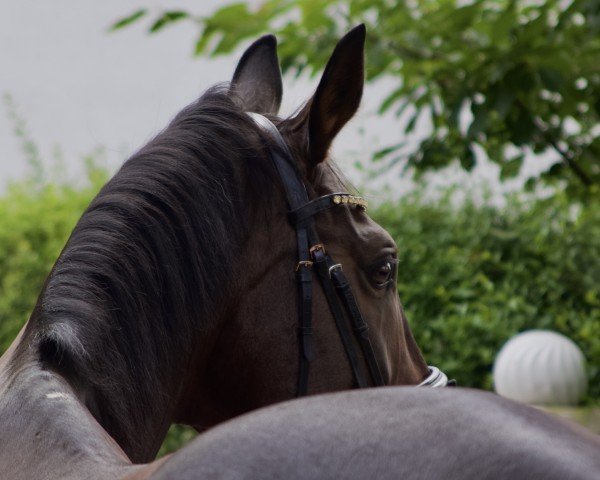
[(79, 87)]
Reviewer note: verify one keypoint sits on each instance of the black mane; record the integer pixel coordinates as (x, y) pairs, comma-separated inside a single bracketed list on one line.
[(149, 260)]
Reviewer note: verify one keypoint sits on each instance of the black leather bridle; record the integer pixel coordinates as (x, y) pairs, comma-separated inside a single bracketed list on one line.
[(312, 256)]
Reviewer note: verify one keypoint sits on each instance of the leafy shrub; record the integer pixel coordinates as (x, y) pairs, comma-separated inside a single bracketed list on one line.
[(36, 218), (177, 437), (472, 276)]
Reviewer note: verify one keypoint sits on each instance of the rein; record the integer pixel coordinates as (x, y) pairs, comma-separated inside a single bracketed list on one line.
[(312, 256)]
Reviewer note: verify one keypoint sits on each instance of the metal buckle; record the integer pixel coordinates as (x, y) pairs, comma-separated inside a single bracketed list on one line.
[(334, 267), (304, 263), (319, 247)]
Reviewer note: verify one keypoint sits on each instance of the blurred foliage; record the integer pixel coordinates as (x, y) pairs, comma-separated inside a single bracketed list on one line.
[(37, 215), (472, 276), (177, 437), (502, 77), (35, 222)]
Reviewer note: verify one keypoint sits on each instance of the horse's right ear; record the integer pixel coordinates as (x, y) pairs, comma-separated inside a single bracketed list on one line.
[(257, 77)]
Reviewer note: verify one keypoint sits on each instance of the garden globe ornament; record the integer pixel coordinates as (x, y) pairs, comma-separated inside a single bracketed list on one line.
[(540, 367)]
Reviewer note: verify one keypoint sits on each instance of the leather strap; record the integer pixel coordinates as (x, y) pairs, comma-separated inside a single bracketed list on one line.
[(322, 265), (361, 330), (296, 196), (305, 331)]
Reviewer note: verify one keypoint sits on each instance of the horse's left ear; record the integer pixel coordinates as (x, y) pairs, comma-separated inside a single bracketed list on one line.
[(338, 95), (257, 77)]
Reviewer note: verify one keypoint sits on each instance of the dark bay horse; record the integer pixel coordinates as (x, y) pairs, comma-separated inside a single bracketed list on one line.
[(175, 301), (175, 298)]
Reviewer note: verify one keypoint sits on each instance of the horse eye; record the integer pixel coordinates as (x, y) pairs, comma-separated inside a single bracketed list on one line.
[(383, 274)]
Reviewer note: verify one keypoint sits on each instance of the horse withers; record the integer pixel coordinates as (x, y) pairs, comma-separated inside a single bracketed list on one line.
[(175, 298)]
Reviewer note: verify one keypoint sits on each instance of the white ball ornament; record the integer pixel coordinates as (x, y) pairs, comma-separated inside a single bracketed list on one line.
[(540, 367)]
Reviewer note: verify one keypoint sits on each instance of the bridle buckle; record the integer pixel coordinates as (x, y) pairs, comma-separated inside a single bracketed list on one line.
[(304, 263), (319, 247), (337, 266)]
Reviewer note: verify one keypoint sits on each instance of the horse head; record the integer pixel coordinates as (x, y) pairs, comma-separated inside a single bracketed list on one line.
[(264, 351)]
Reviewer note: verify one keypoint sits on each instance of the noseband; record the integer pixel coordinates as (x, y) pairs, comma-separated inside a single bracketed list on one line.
[(313, 256)]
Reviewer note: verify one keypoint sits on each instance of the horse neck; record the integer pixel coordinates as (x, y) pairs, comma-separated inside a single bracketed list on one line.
[(122, 341), (116, 401), (144, 270), (46, 432)]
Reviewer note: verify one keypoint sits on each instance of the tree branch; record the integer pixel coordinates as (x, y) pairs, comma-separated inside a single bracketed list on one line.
[(566, 155)]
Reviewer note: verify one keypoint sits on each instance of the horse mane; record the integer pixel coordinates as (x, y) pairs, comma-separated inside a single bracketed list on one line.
[(150, 259)]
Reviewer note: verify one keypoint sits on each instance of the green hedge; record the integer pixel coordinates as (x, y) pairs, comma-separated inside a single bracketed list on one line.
[(470, 276), (36, 219)]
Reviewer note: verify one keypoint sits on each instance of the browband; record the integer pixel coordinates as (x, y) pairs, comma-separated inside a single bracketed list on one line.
[(310, 209)]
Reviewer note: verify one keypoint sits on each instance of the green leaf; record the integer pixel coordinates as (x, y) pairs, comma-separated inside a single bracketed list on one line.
[(556, 170), (467, 160), (504, 24), (521, 128), (168, 18), (125, 21), (384, 152), (390, 100), (530, 184), (203, 39), (503, 102), (455, 111), (412, 123), (512, 167), (520, 79), (434, 155), (552, 79), (480, 118), (228, 26)]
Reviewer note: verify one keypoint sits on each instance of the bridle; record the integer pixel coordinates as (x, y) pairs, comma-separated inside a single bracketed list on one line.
[(312, 256)]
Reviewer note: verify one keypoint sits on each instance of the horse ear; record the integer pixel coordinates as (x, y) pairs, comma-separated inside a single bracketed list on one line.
[(257, 77), (338, 95)]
